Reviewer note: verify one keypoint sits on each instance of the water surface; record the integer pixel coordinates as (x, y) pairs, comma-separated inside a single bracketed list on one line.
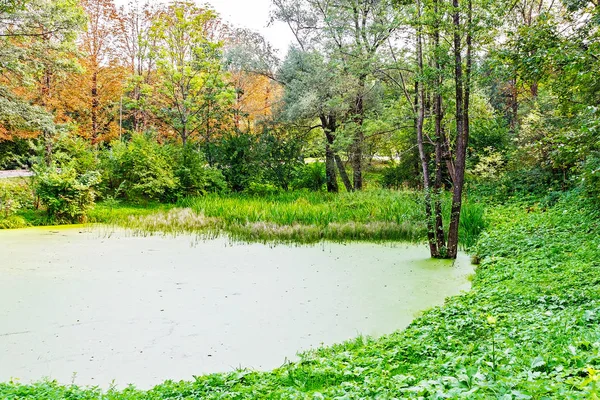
[(77, 305)]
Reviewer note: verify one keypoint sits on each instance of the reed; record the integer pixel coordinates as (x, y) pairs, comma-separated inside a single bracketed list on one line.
[(292, 217)]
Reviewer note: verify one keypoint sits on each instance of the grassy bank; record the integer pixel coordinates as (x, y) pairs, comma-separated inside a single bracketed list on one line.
[(529, 329), (298, 216)]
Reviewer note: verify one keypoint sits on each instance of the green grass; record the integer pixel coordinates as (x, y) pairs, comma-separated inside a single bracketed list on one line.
[(529, 329), (301, 217), (298, 217)]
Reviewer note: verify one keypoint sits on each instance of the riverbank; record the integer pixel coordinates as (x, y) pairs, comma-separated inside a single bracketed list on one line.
[(529, 328)]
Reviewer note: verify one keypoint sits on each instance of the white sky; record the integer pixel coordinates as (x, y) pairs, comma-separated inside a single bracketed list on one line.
[(253, 14)]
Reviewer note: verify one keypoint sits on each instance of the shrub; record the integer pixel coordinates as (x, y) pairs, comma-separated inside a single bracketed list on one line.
[(139, 170), (310, 176), (262, 189), (278, 159), (591, 177), (15, 195), (76, 153), (397, 176), (66, 194), (236, 157), (15, 154), (195, 177)]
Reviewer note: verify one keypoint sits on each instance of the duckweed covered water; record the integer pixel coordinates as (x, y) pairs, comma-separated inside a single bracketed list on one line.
[(81, 306)]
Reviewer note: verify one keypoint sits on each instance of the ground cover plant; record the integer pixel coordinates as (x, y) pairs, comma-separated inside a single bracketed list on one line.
[(527, 330)]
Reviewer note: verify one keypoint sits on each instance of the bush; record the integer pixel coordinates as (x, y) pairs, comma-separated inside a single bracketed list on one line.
[(267, 159), (397, 176), (15, 154), (591, 177), (194, 177), (141, 169), (310, 176), (76, 153), (278, 159), (66, 194), (237, 160), (15, 195), (262, 189)]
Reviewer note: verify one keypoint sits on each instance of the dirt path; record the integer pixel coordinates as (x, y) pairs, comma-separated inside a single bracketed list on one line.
[(15, 173)]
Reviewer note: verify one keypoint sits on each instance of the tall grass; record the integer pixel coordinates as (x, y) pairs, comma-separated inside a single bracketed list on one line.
[(299, 217)]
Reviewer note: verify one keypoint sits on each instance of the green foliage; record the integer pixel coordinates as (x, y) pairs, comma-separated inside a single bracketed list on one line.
[(310, 176), (15, 195), (262, 189), (66, 194), (528, 184), (194, 177), (269, 158), (236, 159), (15, 154), (74, 152), (591, 177), (397, 176), (279, 156), (139, 170)]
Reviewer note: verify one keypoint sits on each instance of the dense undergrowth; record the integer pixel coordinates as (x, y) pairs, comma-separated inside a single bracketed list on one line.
[(529, 329)]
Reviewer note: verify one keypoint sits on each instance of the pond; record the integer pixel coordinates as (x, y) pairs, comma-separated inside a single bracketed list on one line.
[(80, 305)]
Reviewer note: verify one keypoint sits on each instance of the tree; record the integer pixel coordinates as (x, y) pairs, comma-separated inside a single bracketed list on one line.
[(101, 84), (189, 69), (135, 41), (315, 91), (38, 47), (352, 32), (251, 63)]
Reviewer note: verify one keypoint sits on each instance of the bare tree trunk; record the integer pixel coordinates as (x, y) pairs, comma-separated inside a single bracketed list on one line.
[(95, 105), (440, 139), (343, 174), (328, 125), (462, 124), (359, 136), (514, 106), (420, 118)]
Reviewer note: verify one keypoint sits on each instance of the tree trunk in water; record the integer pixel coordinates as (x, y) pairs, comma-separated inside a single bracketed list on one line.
[(440, 139), (420, 118), (462, 124)]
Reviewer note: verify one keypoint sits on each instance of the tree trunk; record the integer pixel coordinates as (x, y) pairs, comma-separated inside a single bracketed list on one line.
[(420, 118), (343, 174), (332, 185), (328, 125), (95, 105), (439, 136), (359, 136), (462, 124)]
